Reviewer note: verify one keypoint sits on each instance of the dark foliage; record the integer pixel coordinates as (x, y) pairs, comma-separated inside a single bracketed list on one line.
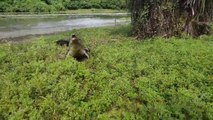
[(170, 18)]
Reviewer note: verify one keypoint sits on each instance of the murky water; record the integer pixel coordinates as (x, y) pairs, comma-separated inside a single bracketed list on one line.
[(19, 26)]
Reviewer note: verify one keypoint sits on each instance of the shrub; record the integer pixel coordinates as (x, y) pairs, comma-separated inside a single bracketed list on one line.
[(72, 5), (22, 6), (4, 7), (124, 78), (40, 7), (104, 4), (85, 5), (96, 5), (59, 7)]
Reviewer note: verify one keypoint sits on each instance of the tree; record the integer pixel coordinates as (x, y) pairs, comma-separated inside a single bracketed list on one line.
[(170, 18)]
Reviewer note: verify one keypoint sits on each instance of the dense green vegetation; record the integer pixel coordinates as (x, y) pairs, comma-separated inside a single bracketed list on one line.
[(77, 12), (58, 5), (124, 79)]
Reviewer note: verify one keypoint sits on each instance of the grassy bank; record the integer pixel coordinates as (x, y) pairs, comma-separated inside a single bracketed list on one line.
[(124, 78), (79, 11)]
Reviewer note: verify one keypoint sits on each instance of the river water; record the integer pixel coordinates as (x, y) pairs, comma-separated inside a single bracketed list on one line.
[(24, 25)]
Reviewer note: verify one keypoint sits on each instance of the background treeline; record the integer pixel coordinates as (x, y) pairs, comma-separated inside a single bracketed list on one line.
[(58, 5)]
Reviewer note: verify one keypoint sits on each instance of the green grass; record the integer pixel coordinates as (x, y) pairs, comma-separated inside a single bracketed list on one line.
[(124, 78), (79, 11), (90, 11)]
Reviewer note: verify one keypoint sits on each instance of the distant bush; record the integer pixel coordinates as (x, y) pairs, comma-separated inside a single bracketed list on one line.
[(72, 5), (85, 5), (40, 7), (22, 7), (96, 4), (59, 5), (112, 4), (5, 7), (115, 4)]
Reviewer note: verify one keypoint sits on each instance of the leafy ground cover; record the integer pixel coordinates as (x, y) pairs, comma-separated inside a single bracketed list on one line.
[(124, 78)]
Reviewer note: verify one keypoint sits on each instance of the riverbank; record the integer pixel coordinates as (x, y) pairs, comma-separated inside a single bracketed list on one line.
[(68, 12), (124, 78)]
